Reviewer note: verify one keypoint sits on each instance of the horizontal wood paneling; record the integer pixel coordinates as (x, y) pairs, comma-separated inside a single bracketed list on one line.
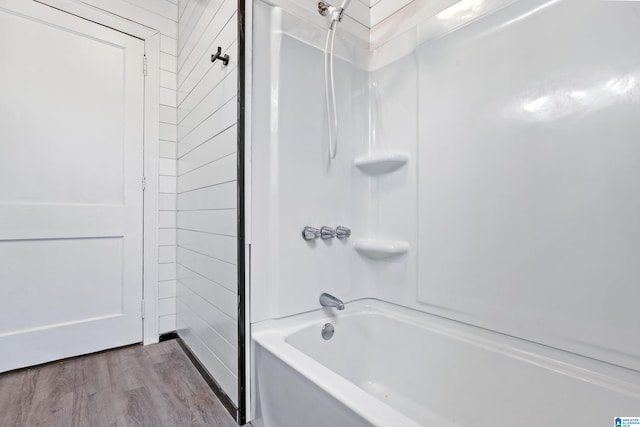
[(167, 202), (189, 18), (168, 97), (168, 45), (223, 222), (213, 269), (167, 184), (189, 78), (182, 5), (192, 332), (168, 132), (202, 34), (196, 94), (206, 254), (225, 356), (385, 9), (167, 323), (166, 306), (166, 237), (217, 172), (168, 80), (213, 245), (167, 167), (168, 115), (213, 125), (225, 353), (213, 101), (221, 196), (167, 271), (168, 149), (167, 254), (224, 326), (168, 62), (163, 8), (167, 219), (133, 11), (359, 13), (167, 289), (210, 151), (219, 296), (216, 34)]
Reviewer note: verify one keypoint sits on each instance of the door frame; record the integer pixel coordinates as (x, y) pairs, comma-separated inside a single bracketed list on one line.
[(151, 141)]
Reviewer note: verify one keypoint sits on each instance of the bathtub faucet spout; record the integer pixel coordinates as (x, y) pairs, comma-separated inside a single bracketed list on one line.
[(328, 300)]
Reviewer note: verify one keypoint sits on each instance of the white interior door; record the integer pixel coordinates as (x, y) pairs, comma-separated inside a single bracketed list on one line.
[(71, 165)]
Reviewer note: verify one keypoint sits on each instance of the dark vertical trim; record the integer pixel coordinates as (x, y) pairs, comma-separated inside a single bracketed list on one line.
[(242, 351)]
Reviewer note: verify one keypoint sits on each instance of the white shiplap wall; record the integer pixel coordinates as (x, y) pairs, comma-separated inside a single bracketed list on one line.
[(372, 12), (383, 9), (161, 15), (206, 187)]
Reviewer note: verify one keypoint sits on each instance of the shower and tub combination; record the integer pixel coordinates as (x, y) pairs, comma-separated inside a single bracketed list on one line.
[(487, 175), (387, 365)]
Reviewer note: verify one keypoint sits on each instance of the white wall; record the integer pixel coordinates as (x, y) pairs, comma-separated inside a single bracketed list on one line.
[(162, 16), (527, 176), (293, 182), (522, 222), (518, 201), (206, 188)]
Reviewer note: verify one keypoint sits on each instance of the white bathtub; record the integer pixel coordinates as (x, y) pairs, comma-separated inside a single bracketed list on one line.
[(391, 366)]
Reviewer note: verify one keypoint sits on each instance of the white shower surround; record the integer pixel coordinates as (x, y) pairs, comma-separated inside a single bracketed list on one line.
[(390, 366), (419, 101)]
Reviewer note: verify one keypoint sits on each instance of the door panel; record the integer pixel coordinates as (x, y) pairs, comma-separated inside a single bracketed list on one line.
[(70, 262), (71, 163)]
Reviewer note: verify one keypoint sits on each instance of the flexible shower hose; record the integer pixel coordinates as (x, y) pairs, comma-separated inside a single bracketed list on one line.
[(330, 90)]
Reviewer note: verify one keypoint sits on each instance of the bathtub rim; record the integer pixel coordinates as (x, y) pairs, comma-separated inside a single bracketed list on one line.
[(272, 336), (370, 408)]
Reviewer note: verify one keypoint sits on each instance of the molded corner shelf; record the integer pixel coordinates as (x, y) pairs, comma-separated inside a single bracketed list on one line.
[(381, 249), (379, 163)]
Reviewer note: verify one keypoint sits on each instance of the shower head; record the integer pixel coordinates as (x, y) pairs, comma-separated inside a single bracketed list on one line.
[(334, 12)]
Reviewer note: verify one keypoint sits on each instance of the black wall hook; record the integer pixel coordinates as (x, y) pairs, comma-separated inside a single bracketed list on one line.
[(224, 58)]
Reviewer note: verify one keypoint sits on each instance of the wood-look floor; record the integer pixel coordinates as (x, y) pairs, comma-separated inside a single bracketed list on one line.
[(154, 385)]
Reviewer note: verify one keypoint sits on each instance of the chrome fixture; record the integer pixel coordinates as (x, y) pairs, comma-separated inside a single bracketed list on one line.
[(327, 331), (218, 55), (327, 232), (323, 8), (310, 233), (335, 13), (328, 300), (343, 232)]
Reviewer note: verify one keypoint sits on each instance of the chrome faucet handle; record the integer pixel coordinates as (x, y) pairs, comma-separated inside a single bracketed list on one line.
[(310, 233), (327, 233), (343, 232)]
